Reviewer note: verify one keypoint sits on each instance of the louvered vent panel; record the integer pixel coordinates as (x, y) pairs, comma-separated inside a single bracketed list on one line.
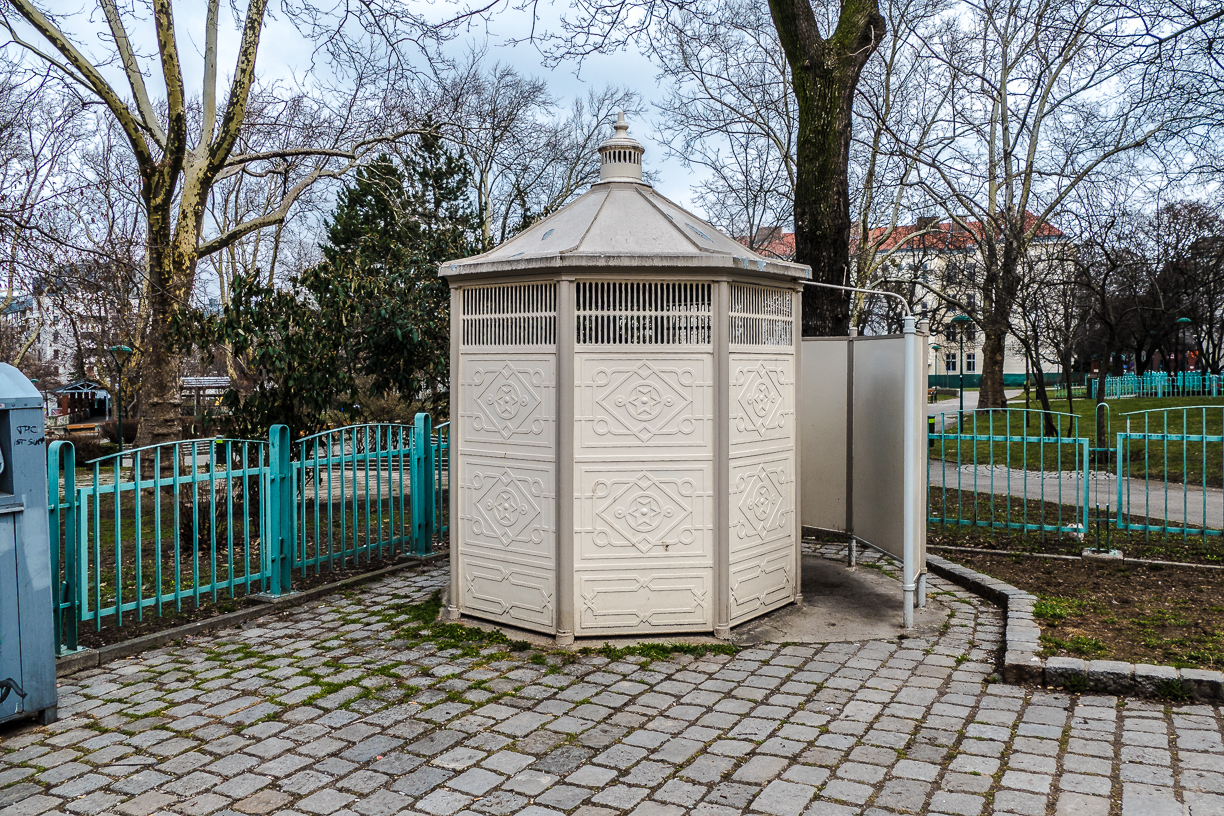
[(510, 315), (761, 316), (642, 313)]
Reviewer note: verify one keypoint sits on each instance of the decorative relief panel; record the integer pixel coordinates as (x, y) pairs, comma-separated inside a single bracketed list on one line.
[(762, 500), (654, 512), (507, 488), (508, 507), (508, 400), (518, 594), (762, 584), (762, 399), (628, 602), (651, 401)]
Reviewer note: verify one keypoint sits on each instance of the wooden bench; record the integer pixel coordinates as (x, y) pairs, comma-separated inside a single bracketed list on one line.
[(83, 428)]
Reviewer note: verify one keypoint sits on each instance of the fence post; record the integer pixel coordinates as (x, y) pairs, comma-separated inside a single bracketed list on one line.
[(1084, 500), (61, 460), (279, 545), (422, 486)]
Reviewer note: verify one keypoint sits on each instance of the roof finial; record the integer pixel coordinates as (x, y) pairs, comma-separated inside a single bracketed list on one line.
[(620, 157)]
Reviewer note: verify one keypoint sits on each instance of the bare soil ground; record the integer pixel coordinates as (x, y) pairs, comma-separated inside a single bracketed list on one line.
[(1118, 610)]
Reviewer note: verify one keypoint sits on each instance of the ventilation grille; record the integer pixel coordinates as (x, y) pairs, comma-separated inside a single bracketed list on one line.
[(761, 316), (510, 315), (642, 313)]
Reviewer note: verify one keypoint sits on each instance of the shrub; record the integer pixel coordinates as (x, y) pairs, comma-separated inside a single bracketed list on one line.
[(110, 430), (92, 447)]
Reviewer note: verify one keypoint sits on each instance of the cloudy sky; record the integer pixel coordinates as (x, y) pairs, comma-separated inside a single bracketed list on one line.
[(284, 54)]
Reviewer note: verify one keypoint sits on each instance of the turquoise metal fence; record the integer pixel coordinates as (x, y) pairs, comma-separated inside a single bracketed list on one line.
[(1156, 384), (1170, 471), (998, 469), (1159, 480), (176, 525)]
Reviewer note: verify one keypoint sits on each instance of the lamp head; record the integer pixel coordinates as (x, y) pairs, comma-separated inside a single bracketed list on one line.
[(121, 354), (961, 318), (1184, 320)]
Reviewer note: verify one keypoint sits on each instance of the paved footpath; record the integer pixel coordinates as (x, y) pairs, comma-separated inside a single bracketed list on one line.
[(337, 709)]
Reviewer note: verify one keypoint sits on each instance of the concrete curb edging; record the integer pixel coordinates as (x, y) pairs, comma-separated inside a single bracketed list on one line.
[(92, 658), (1022, 642)]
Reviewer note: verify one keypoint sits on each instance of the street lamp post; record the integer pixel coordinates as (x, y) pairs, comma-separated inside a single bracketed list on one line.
[(121, 355), (960, 334)]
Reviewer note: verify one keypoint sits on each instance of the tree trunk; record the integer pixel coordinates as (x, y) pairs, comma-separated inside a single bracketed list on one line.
[(824, 75), (172, 264), (990, 392)]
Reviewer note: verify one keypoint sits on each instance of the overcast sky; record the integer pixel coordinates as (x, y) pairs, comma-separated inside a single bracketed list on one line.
[(283, 53)]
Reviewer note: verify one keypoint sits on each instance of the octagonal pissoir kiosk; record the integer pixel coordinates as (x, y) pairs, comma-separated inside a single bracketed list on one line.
[(623, 416)]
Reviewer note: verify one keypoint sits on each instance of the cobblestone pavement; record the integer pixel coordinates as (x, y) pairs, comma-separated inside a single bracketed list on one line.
[(347, 707)]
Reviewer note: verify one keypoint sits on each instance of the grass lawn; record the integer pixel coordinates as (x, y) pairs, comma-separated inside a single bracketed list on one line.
[(1140, 613), (1025, 447)]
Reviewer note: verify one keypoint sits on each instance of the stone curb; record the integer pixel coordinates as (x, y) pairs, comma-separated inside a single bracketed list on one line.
[(1022, 642), (1057, 556), (92, 658)]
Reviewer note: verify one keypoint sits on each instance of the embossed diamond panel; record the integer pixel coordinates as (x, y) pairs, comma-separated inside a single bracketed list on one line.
[(508, 401), (653, 514), (506, 529), (763, 491), (509, 508), (762, 401), (643, 493), (644, 402), (762, 513)]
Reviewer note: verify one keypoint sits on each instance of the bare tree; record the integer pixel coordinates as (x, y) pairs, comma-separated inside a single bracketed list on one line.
[(826, 48), (361, 100), (527, 157), (1044, 97), (729, 110)]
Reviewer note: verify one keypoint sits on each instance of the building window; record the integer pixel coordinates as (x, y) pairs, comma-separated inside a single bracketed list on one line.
[(971, 333), (970, 362), (950, 334), (950, 362)]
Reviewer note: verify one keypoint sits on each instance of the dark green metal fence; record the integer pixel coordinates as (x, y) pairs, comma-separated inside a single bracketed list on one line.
[(177, 525)]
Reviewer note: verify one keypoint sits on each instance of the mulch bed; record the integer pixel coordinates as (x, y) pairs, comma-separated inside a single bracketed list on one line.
[(1116, 610)]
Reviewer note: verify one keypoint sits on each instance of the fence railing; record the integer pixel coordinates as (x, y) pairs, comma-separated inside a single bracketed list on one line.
[(1158, 479), (1150, 385), (1170, 471), (176, 525), (1000, 469)]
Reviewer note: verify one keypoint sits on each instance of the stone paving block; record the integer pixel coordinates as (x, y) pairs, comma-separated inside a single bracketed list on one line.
[(564, 797), (266, 801), (679, 792), (1146, 800), (620, 797), (443, 802), (1020, 803), (782, 798), (960, 804), (146, 803)]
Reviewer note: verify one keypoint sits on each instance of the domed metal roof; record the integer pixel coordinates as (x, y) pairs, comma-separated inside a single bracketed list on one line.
[(621, 222)]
